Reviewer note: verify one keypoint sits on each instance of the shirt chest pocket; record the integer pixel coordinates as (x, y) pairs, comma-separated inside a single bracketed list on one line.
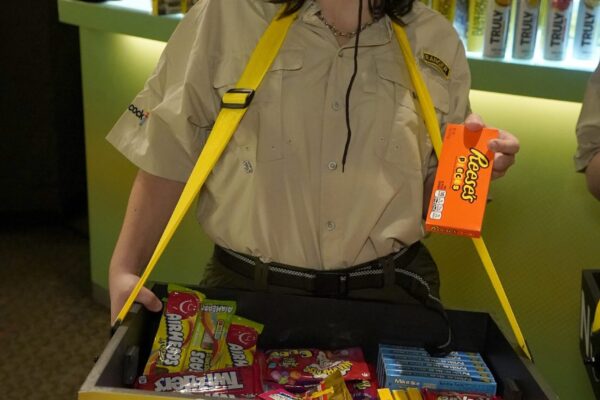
[(397, 118), (403, 140), (260, 135)]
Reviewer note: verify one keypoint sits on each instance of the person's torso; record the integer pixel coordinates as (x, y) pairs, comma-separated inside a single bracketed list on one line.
[(279, 191)]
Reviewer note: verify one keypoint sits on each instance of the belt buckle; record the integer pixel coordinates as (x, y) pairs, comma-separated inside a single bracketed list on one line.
[(331, 284)]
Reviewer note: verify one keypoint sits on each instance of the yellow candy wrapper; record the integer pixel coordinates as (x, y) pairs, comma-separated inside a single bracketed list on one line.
[(209, 335), (331, 388)]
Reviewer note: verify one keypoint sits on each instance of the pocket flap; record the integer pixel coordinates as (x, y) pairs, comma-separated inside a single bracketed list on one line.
[(391, 70), (229, 70), (397, 73), (289, 60), (438, 92)]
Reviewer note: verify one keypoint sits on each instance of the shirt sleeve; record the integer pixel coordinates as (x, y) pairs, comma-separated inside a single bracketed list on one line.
[(588, 125), (164, 128)]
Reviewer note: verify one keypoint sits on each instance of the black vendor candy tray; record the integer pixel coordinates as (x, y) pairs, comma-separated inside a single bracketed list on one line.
[(300, 321)]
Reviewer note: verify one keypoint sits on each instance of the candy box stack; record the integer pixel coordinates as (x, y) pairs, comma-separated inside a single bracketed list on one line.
[(400, 367)]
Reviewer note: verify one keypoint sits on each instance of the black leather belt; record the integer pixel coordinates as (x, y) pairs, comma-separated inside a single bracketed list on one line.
[(321, 283)]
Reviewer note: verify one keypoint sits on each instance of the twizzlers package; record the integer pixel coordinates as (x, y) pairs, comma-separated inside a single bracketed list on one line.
[(298, 366), (236, 382), (460, 189)]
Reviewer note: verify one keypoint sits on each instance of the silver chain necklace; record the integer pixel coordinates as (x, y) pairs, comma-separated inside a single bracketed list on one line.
[(337, 32)]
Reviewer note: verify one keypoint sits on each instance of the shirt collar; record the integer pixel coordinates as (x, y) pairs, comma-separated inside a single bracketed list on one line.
[(379, 33)]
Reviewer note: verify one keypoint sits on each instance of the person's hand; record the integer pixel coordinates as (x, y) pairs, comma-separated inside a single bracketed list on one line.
[(120, 286), (505, 147)]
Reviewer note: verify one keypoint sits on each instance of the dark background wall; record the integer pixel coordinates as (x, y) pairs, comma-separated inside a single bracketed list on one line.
[(42, 161)]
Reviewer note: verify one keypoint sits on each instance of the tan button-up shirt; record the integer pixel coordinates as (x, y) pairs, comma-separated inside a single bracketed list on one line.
[(588, 125), (278, 191)]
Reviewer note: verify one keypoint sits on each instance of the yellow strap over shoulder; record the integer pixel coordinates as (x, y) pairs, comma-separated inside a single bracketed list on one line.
[(431, 122), (234, 107)]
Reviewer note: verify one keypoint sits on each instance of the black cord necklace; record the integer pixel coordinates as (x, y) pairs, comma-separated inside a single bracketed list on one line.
[(349, 135)]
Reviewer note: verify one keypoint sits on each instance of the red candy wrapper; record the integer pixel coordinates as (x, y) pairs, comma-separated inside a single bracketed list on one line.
[(362, 390), (239, 382), (298, 366), (445, 395)]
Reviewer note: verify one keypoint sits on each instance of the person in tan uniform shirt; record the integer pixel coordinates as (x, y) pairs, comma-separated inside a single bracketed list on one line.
[(587, 157), (279, 200)]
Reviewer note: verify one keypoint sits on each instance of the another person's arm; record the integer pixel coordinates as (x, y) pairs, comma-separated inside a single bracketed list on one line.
[(150, 205), (592, 174), (587, 157)]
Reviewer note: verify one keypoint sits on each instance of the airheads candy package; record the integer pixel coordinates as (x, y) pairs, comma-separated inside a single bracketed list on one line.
[(208, 343), (174, 331), (242, 336), (460, 189)]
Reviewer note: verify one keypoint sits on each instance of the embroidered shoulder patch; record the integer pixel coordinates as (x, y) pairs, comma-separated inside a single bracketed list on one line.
[(436, 63)]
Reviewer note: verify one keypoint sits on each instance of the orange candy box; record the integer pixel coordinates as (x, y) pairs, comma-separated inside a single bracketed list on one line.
[(462, 181)]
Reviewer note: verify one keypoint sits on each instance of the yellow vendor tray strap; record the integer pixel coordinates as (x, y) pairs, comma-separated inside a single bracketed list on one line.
[(432, 124), (234, 105)]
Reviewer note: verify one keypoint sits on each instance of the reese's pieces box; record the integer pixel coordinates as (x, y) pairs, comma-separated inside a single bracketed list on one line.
[(460, 189)]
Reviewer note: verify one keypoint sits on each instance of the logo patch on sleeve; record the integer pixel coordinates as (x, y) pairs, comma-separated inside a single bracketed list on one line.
[(436, 63), (140, 114)]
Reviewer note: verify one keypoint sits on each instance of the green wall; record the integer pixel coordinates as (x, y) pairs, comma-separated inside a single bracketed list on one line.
[(541, 226)]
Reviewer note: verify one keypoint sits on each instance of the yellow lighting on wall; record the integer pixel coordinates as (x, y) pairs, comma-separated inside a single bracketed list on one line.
[(144, 51)]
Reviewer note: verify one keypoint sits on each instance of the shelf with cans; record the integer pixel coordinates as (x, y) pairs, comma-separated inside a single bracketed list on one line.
[(537, 48), (535, 38), (539, 30), (569, 29)]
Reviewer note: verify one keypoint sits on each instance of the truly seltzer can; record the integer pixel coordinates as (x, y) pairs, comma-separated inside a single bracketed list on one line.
[(586, 29), (476, 24), (557, 29), (496, 30), (526, 26)]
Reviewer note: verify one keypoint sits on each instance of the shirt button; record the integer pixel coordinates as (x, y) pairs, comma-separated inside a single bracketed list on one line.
[(340, 54), (332, 166), (330, 225), (335, 105)]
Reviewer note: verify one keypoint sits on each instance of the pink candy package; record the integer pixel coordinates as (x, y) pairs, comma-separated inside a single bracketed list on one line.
[(301, 366)]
